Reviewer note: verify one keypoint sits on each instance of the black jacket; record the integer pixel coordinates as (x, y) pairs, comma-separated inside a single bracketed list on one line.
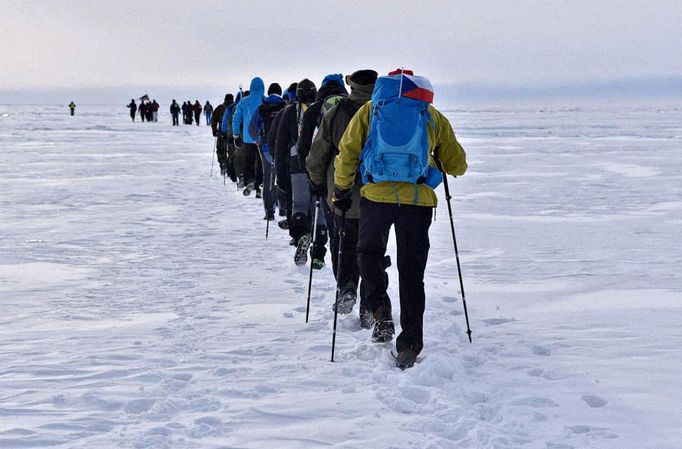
[(312, 116), (287, 134)]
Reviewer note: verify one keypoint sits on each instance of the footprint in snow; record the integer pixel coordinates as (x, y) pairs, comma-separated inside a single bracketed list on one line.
[(541, 350), (594, 401), (497, 321)]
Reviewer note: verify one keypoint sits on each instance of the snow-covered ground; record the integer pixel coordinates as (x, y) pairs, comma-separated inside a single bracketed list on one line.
[(142, 307)]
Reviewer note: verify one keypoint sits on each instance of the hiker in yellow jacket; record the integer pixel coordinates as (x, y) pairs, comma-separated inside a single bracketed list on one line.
[(72, 107), (406, 205)]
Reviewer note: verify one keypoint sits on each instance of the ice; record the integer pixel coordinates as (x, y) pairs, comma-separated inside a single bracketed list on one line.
[(142, 307)]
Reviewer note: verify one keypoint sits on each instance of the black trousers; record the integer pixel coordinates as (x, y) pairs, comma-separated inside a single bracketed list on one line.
[(176, 122), (412, 239), (221, 151), (250, 152)]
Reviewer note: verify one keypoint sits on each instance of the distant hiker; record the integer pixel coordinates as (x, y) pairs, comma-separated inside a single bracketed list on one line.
[(320, 165), (155, 110), (150, 111), (188, 113), (253, 175), (398, 190), (221, 137), (72, 107), (332, 86), (133, 109), (235, 162), (197, 112), (289, 166), (259, 129), (175, 112), (208, 110), (143, 110)]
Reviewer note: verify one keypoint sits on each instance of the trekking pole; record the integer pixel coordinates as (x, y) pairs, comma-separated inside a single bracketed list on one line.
[(310, 276), (272, 186), (339, 268), (454, 240), (215, 148)]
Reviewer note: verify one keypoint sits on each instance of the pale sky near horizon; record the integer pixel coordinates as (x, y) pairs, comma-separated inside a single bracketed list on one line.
[(97, 43)]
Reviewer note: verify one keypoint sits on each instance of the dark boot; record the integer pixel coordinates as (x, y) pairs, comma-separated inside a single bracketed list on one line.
[(406, 358), (384, 328)]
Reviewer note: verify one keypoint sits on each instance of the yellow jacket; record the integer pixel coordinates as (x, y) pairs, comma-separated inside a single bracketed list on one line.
[(442, 143)]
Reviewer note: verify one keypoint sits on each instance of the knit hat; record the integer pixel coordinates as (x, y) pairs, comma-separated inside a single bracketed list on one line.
[(274, 88), (306, 91), (333, 78), (229, 98), (292, 91), (362, 78)]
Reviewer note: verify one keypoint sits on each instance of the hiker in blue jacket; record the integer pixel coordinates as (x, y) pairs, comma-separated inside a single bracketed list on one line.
[(243, 114), (259, 129)]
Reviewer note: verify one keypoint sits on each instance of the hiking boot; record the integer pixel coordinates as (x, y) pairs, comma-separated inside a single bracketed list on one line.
[(283, 224), (269, 215), (318, 264), (258, 193), (347, 299), (248, 189), (406, 358), (383, 325), (302, 246), (366, 318), (240, 183)]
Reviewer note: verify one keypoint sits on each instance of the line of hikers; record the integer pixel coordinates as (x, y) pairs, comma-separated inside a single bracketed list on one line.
[(370, 159), (149, 111)]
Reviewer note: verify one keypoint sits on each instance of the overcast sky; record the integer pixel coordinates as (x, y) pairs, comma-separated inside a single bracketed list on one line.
[(109, 43)]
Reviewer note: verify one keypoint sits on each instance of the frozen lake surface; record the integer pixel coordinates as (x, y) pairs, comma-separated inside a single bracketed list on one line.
[(142, 307)]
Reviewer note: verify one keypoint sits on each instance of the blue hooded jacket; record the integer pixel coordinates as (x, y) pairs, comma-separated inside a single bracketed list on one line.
[(246, 108), (228, 113), (258, 124)]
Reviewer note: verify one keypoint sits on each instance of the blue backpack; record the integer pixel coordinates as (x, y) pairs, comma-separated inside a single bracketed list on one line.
[(397, 146)]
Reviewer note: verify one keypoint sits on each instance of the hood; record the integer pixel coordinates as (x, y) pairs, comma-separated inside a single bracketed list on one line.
[(273, 99), (332, 78), (257, 87), (330, 89)]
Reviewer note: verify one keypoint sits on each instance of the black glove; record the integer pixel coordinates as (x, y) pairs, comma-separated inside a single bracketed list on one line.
[(238, 142), (342, 199), (317, 190)]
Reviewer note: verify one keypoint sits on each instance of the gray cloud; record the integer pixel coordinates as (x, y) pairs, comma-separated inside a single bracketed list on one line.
[(79, 43)]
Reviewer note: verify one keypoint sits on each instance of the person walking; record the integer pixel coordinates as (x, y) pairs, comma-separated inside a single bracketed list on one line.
[(155, 110), (143, 110), (259, 129), (133, 109), (291, 168), (330, 92), (72, 108), (398, 191), (244, 142), (208, 110), (282, 178), (222, 138), (175, 112), (320, 165), (189, 114), (197, 112)]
